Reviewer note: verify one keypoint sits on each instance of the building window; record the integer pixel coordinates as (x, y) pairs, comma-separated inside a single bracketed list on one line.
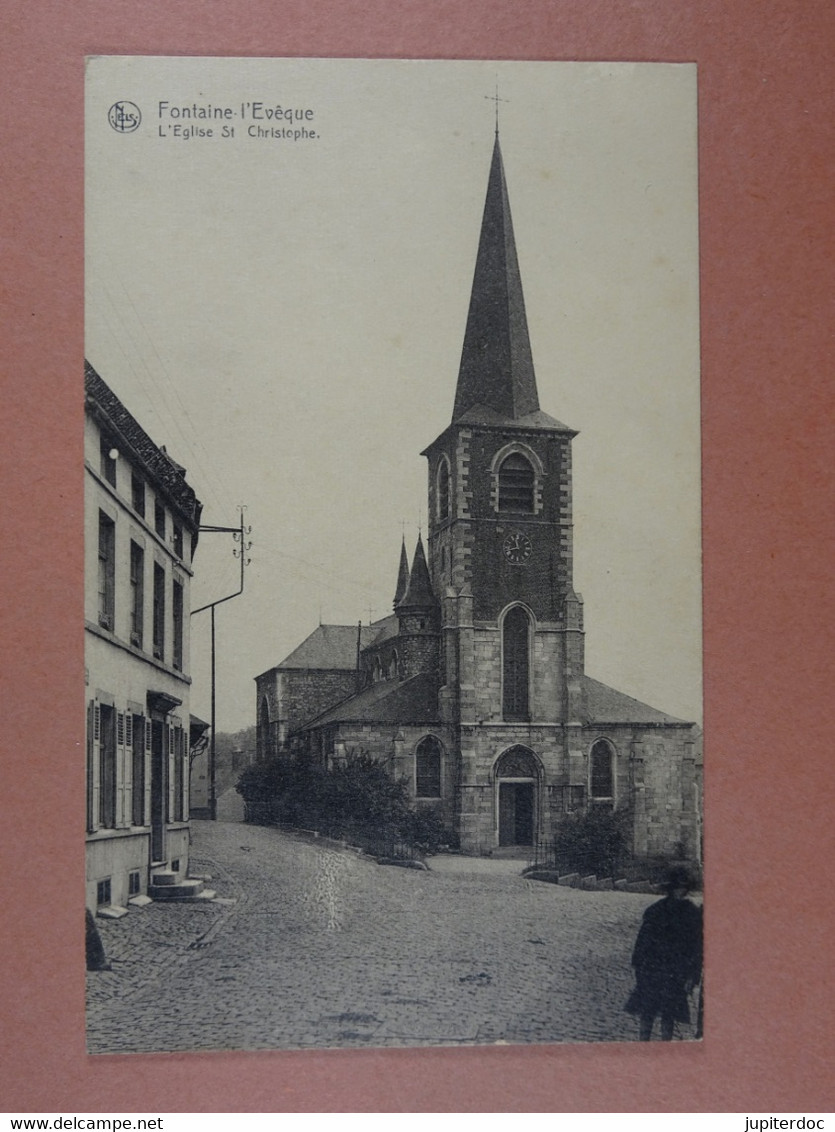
[(108, 455), (137, 495), (443, 489), (602, 772), (178, 540), (516, 484), (137, 593), (428, 768), (177, 608), (159, 518), (515, 665), (134, 884), (103, 893), (137, 756), (107, 767), (159, 611), (106, 582)]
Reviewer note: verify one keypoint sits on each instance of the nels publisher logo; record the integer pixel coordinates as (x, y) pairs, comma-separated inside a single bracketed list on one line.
[(124, 117)]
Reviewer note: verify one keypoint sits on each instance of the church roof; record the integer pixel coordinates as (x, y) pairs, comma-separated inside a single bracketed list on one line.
[(606, 705), (408, 701), (384, 630), (330, 647), (496, 362), (482, 414)]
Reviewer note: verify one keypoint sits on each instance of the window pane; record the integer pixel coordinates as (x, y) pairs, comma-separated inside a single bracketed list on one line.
[(515, 665), (428, 769), (159, 611), (178, 625), (106, 576), (602, 785), (443, 490)]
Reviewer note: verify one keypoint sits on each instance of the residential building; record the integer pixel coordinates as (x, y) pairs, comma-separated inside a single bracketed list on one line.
[(142, 521)]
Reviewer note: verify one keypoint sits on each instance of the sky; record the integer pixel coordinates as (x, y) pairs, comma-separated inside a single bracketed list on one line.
[(286, 315)]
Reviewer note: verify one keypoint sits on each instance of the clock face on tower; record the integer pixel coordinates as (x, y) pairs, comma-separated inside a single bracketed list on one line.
[(517, 548)]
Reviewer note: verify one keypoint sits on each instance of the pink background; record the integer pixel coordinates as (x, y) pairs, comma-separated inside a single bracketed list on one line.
[(766, 174)]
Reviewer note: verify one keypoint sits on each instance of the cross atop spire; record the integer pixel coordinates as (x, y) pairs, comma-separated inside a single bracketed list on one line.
[(495, 98), (496, 372)]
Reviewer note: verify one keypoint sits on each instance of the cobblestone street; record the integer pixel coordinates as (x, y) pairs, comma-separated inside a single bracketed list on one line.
[(310, 945)]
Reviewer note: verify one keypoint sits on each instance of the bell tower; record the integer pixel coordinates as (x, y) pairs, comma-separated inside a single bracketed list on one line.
[(500, 513)]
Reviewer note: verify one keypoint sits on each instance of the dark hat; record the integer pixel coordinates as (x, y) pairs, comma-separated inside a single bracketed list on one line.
[(677, 877)]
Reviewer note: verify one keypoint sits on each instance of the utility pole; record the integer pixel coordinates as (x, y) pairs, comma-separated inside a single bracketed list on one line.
[(239, 534)]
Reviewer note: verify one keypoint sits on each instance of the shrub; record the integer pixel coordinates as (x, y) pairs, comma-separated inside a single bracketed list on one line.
[(592, 842), (356, 798)]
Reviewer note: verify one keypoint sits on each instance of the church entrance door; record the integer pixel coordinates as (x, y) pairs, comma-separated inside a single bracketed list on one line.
[(516, 823), (516, 778)]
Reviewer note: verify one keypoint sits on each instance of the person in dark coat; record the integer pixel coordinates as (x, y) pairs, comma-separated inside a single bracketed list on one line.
[(667, 958), (96, 958)]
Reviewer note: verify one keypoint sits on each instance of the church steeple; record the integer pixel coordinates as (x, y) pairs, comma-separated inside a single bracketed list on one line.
[(496, 369), (402, 576)]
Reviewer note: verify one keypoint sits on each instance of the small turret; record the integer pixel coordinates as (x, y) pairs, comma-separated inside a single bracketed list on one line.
[(418, 614), (419, 594)]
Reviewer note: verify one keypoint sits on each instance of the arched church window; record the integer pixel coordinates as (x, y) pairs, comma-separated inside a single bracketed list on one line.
[(515, 665), (428, 768), (602, 772), (516, 484), (443, 489)]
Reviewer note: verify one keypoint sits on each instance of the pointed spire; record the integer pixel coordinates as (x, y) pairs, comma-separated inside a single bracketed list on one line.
[(496, 362), (402, 576), (419, 593)]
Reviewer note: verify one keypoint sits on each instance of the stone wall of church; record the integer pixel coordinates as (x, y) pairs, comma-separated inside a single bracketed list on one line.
[(546, 672), (656, 777), (543, 581), (666, 792), (296, 695), (395, 747), (481, 748)]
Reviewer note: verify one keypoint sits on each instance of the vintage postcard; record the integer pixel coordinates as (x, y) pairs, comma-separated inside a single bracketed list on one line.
[(392, 554)]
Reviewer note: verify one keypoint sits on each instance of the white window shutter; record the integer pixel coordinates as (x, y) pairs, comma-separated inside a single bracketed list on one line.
[(120, 769), (147, 807), (96, 768), (129, 769), (171, 757)]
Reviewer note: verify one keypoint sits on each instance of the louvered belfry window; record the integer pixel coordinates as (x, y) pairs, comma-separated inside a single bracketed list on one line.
[(516, 484), (515, 664)]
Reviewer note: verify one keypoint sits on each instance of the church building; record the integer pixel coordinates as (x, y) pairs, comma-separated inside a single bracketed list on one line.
[(474, 690)]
